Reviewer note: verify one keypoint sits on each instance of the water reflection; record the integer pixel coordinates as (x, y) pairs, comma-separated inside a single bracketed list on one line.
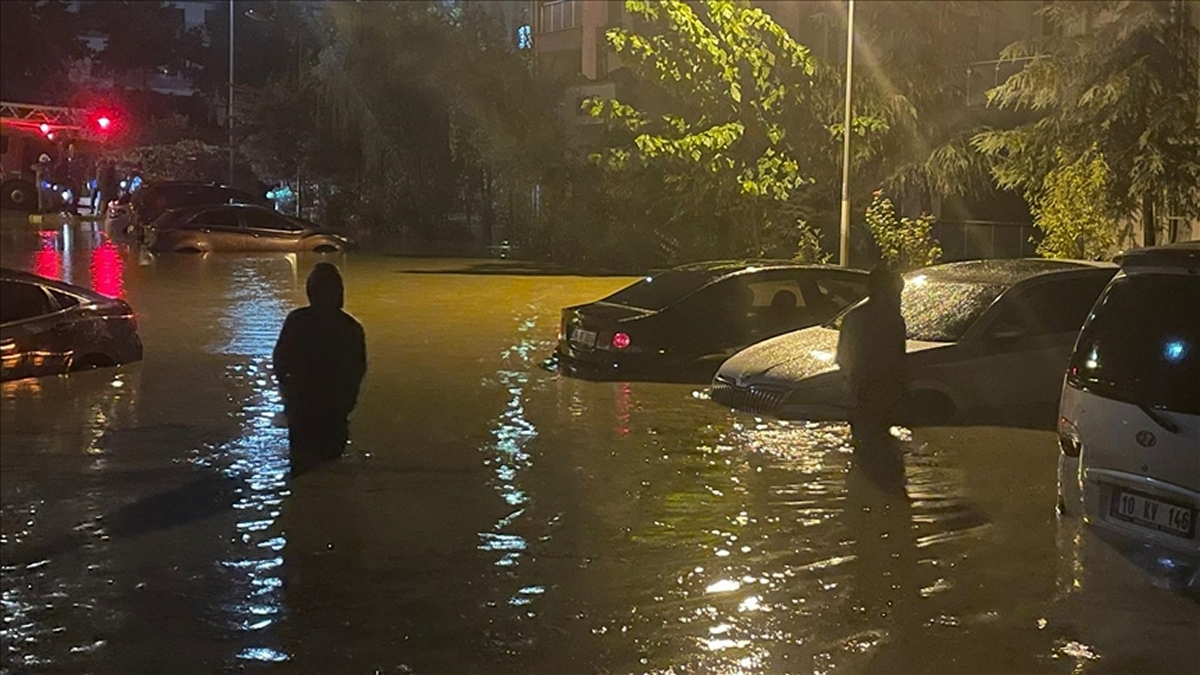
[(254, 309), (509, 461)]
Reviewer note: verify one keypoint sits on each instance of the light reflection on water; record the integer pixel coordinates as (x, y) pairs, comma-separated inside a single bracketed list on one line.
[(636, 527), (257, 459)]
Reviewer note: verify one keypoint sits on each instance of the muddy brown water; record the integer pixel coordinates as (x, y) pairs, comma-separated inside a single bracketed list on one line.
[(492, 516)]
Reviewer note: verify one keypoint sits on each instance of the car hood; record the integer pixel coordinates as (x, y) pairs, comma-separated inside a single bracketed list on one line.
[(793, 356)]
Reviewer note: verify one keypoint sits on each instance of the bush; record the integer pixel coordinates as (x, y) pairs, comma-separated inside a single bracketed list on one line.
[(903, 243)]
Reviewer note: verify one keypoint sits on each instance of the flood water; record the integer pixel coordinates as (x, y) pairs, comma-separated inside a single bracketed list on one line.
[(493, 516)]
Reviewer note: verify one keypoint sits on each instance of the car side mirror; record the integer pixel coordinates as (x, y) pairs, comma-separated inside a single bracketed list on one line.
[(1006, 330)]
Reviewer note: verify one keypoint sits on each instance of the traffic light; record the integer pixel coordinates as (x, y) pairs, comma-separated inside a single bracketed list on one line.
[(103, 123)]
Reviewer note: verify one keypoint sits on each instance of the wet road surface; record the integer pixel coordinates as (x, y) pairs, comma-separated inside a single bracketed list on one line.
[(491, 516)]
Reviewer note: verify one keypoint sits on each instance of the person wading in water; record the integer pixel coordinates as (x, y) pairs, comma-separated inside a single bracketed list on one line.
[(320, 360)]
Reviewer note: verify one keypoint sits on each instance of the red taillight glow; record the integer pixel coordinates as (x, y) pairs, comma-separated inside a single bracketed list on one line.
[(620, 341)]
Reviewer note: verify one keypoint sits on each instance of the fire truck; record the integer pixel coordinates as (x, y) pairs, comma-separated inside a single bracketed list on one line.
[(28, 131)]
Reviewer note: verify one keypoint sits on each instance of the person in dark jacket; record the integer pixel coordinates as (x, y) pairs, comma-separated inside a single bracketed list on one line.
[(871, 351), (320, 360), (106, 185)]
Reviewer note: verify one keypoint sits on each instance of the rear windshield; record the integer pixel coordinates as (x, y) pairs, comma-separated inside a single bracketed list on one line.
[(658, 291), (1140, 343), (940, 311)]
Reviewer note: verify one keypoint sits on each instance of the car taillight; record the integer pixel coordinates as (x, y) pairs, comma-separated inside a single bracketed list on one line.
[(620, 341), (1068, 438)]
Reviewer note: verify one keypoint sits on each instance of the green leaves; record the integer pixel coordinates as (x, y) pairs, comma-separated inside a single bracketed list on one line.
[(903, 243), (1124, 94), (1073, 210)]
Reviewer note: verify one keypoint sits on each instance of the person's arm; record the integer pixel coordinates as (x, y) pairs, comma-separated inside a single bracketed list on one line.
[(847, 343), (283, 355), (358, 362)]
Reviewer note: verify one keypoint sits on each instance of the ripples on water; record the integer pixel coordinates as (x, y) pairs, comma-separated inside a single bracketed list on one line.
[(631, 527)]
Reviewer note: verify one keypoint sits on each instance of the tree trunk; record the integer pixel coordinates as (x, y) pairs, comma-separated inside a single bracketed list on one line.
[(1149, 233)]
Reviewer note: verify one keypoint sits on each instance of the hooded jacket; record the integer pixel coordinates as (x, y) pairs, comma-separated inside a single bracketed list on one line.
[(321, 355)]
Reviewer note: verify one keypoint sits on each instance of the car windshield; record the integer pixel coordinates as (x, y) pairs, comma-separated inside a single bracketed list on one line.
[(940, 311), (1140, 343), (657, 291)]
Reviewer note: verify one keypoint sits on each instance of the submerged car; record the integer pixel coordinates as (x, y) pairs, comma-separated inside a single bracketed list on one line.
[(983, 335), (681, 323), (1129, 419), (49, 327), (155, 198), (239, 227)]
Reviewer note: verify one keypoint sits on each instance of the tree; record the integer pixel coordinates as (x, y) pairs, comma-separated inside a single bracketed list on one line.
[(38, 43), (744, 119), (903, 243), (1122, 79), (141, 36), (1072, 208)]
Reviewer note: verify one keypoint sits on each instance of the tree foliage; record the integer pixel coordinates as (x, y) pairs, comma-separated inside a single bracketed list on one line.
[(1072, 209), (38, 42), (1122, 78), (903, 243)]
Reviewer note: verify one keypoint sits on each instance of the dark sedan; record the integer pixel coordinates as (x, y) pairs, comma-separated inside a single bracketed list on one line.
[(239, 227), (49, 327), (681, 323), (984, 337)]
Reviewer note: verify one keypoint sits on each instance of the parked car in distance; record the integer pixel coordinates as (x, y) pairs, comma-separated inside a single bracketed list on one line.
[(983, 335), (49, 327), (155, 198), (1129, 419), (681, 323), (239, 227)]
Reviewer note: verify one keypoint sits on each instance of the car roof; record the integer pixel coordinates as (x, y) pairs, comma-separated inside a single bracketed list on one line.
[(717, 269), (1180, 255), (1004, 272), (8, 274)]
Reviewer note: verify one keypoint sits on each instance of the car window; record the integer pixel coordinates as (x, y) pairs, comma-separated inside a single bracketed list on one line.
[(939, 311), (267, 220), (657, 291), (1055, 306), (218, 217), (776, 292), (64, 300), (1140, 343), (842, 292), (20, 301)]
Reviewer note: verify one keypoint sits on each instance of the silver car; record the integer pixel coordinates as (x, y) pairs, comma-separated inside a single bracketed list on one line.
[(983, 335), (239, 227)]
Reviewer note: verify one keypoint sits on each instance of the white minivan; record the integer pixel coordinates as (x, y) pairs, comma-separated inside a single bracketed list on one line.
[(1129, 417)]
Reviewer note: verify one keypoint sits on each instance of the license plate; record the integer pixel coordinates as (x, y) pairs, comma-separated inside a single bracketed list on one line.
[(1154, 514), (586, 338)]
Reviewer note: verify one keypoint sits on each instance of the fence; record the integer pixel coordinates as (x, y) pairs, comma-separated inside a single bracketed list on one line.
[(969, 239)]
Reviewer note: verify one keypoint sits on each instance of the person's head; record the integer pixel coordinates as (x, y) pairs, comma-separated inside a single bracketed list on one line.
[(885, 285), (44, 159), (324, 287)]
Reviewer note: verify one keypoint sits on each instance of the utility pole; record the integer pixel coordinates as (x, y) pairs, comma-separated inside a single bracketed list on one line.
[(844, 247), (229, 112)]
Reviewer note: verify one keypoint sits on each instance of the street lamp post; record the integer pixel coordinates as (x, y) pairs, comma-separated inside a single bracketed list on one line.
[(229, 111), (844, 244)]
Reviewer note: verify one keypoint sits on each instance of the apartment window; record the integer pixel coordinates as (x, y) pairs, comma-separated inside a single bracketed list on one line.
[(560, 15)]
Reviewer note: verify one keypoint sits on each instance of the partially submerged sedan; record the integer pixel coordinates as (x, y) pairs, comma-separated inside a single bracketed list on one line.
[(984, 336), (49, 327), (239, 227), (681, 323)]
